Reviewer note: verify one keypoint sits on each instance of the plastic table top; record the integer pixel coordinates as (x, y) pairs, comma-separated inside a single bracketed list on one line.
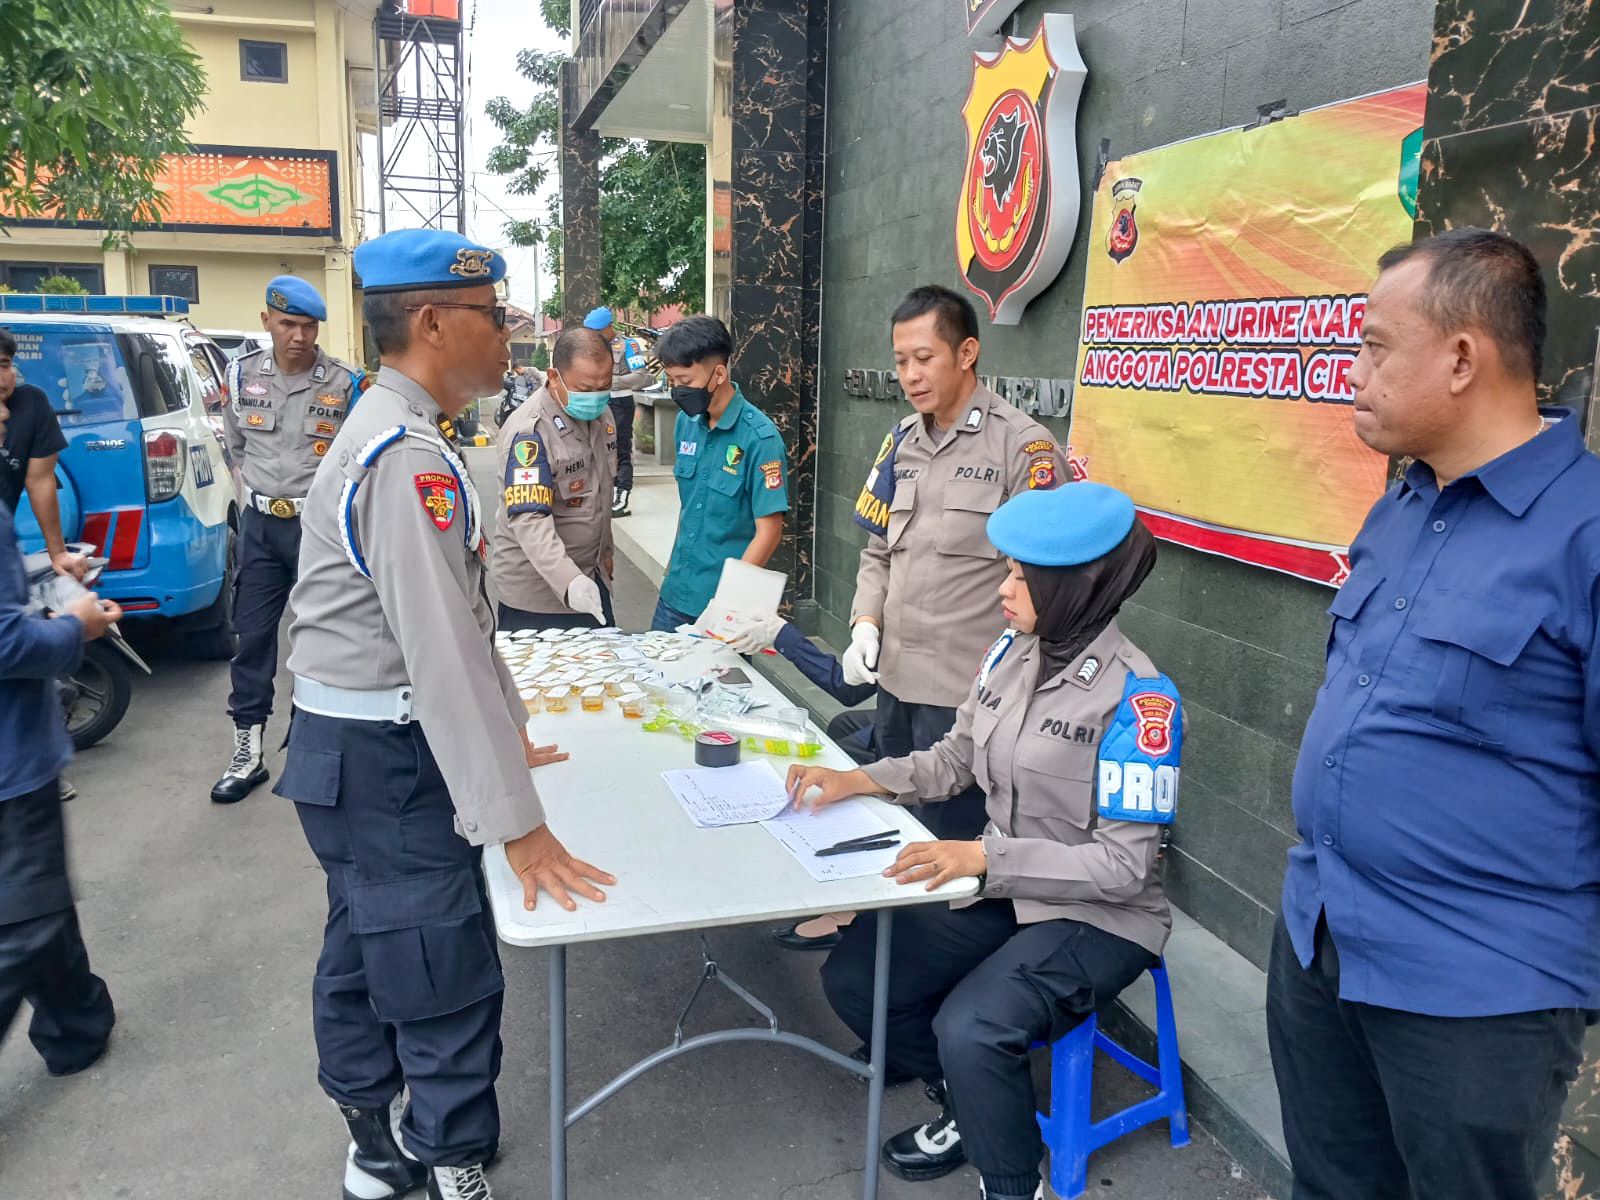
[(609, 805)]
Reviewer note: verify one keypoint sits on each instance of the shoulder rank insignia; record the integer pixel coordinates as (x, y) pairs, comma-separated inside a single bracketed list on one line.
[(438, 493)]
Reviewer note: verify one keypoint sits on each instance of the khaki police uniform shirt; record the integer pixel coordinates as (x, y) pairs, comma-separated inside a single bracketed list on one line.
[(554, 518), (422, 619), (1032, 744), (930, 580), (280, 427)]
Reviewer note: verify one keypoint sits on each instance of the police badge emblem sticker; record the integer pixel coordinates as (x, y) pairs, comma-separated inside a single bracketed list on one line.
[(1018, 211), (437, 492)]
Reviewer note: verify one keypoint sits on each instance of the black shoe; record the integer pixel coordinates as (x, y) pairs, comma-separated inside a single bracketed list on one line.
[(375, 1167), (247, 770), (928, 1151), (80, 1066), (891, 1078), (791, 940)]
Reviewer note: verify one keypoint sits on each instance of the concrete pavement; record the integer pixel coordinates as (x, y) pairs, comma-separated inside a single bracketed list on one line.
[(205, 921)]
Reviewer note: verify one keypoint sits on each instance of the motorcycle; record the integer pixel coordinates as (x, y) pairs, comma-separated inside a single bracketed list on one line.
[(95, 697)]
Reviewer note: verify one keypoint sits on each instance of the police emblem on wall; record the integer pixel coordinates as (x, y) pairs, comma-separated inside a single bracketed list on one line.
[(986, 16), (1020, 190)]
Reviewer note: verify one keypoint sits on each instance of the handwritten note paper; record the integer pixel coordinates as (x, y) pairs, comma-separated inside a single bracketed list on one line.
[(736, 795), (804, 833)]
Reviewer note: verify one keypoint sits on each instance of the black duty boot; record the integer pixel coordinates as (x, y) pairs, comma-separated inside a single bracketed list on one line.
[(458, 1183), (376, 1168), (927, 1151), (619, 501), (248, 768)]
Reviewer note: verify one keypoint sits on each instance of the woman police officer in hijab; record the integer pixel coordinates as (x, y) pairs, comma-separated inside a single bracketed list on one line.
[(1074, 737)]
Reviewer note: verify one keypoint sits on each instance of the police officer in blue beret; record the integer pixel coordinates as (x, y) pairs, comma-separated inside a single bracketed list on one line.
[(285, 405), (408, 751), (1074, 737)]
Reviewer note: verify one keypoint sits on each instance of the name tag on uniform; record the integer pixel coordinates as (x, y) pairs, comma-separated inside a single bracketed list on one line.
[(688, 449)]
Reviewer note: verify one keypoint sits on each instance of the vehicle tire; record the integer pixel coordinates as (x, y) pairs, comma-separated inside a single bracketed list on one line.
[(96, 695), (208, 634)]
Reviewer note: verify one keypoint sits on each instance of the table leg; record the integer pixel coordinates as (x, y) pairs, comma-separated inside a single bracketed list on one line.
[(558, 1073), (880, 1022)]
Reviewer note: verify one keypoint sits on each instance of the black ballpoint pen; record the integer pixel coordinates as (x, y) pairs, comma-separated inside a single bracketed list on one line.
[(852, 847)]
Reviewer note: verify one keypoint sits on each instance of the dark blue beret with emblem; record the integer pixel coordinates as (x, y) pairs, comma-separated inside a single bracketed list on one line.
[(410, 260), (1073, 524), (292, 295)]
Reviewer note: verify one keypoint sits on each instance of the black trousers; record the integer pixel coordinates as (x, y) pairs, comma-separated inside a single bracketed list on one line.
[(509, 620), (970, 992), (853, 732), (269, 559), (622, 412), (1388, 1105), (42, 956), (903, 728), (408, 986)]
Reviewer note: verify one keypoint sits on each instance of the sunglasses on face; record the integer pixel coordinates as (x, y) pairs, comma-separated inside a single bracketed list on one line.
[(497, 312)]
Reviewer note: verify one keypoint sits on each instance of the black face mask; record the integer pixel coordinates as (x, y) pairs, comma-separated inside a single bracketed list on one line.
[(695, 401)]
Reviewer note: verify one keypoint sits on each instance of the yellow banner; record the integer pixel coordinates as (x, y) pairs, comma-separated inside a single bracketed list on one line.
[(1222, 310)]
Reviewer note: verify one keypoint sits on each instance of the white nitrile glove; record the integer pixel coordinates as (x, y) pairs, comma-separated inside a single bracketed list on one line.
[(583, 595), (860, 661), (749, 634)]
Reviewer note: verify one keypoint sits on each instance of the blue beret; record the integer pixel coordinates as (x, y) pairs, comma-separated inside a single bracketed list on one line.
[(409, 260), (599, 318), (1075, 523), (292, 295)]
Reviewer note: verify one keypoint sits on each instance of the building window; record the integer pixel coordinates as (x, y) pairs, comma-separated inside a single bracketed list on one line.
[(264, 62), (176, 281), (25, 277)]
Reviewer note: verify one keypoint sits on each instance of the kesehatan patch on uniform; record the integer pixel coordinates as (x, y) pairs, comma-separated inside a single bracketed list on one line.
[(438, 494), (319, 448), (1155, 713), (773, 473), (524, 475), (255, 419), (526, 452)]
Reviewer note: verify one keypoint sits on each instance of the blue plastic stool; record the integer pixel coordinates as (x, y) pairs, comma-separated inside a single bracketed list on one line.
[(1068, 1131)]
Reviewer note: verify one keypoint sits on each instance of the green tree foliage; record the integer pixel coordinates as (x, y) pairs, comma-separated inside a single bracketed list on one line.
[(541, 356), (92, 94), (652, 194), (61, 285)]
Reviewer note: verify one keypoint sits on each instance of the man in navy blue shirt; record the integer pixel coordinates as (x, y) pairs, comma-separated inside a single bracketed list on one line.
[(42, 958), (1438, 953)]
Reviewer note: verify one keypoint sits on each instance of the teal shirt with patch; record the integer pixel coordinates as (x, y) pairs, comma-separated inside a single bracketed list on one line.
[(727, 477)]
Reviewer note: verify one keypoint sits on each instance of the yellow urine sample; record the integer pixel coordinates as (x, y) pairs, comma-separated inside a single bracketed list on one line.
[(633, 707), (615, 687), (593, 698), (531, 702), (556, 700)]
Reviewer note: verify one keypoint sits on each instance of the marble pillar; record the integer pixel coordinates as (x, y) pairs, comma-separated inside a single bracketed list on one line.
[(580, 209), (765, 175), (1513, 143)]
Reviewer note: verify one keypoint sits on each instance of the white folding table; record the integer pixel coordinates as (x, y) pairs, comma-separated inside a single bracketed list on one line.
[(609, 806)]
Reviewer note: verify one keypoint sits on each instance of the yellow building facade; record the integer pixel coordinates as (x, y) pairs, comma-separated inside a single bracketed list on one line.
[(273, 183)]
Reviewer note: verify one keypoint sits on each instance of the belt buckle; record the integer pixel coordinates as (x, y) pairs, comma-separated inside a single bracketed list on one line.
[(280, 507)]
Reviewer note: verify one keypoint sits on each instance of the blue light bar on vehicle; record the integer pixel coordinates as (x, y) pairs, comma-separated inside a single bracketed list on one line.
[(100, 306)]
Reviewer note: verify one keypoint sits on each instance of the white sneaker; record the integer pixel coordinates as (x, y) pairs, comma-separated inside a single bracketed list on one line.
[(458, 1183)]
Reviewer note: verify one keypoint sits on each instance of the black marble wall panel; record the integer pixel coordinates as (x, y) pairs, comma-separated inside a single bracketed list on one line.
[(1511, 144), (1512, 127), (777, 59), (580, 209)]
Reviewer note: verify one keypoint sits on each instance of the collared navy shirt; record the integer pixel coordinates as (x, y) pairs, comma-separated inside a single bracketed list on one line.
[(1447, 795)]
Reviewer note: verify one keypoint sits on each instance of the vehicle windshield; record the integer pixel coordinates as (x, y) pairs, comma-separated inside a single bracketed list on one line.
[(79, 368)]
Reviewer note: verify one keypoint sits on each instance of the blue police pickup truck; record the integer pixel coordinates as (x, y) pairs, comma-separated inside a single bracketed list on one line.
[(144, 478)]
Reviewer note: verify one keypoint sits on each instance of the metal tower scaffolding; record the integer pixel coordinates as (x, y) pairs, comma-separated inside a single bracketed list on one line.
[(421, 84)]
